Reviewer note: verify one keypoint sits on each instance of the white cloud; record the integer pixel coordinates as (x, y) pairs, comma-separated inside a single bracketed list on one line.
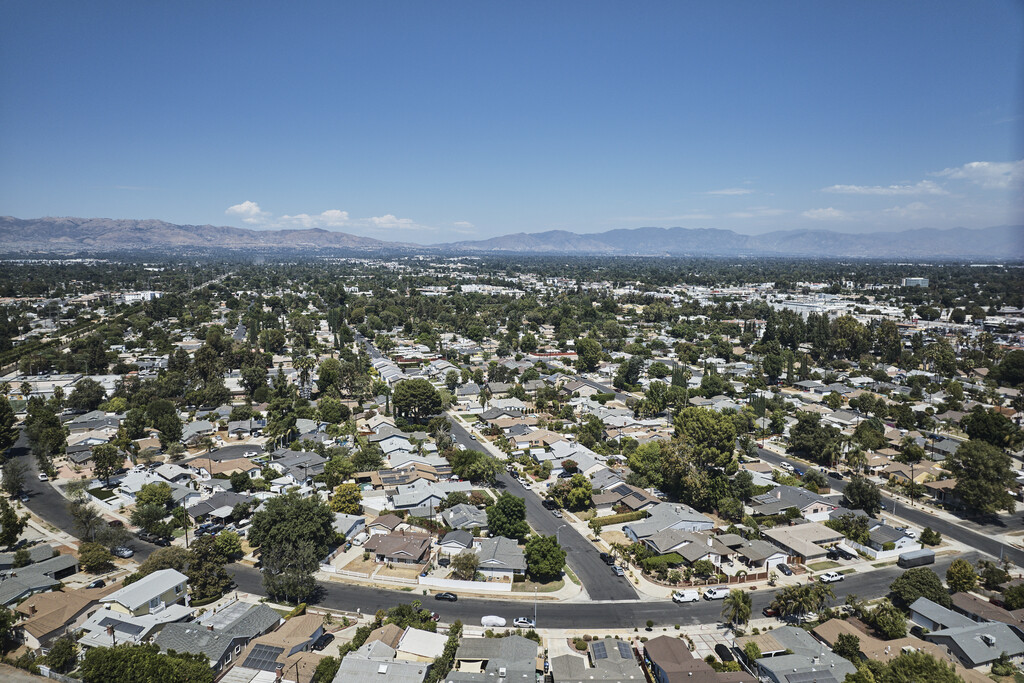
[(923, 187), (911, 210), (995, 175), (332, 218), (828, 214), (249, 212), (392, 222), (463, 224), (758, 212), (731, 191)]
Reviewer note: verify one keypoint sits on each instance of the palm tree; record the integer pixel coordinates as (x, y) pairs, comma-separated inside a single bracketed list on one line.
[(857, 459), (305, 365), (737, 607)]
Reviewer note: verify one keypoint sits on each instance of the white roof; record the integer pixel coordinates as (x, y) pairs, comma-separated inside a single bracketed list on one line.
[(142, 591), (422, 643)]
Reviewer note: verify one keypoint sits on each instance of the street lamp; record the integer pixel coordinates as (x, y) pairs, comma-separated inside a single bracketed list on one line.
[(535, 605), (557, 530)]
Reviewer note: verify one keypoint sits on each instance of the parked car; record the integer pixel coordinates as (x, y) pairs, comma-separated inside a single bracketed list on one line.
[(836, 475), (123, 552), (831, 577), (161, 541), (784, 568), (323, 641), (524, 622), (557, 513), (434, 616), (786, 466), (769, 612), (98, 583), (549, 504), (686, 596), (607, 559), (43, 477), (716, 593), (450, 597), (618, 571), (116, 523), (492, 621)]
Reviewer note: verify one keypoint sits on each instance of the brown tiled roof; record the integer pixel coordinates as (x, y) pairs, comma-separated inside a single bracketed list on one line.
[(46, 612)]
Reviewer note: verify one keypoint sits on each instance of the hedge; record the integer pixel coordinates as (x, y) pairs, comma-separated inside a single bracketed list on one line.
[(204, 601), (618, 519), (667, 560), (300, 609)]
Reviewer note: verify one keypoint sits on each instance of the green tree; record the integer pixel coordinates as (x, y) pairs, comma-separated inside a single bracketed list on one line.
[(13, 476), (992, 427), (128, 663), (326, 670), (810, 438), (11, 525), (737, 607), (293, 535), (847, 645), (156, 493), (960, 577), (464, 565), (62, 654), (148, 516), (347, 499), (930, 537), (711, 436), (8, 432), (1013, 597), (507, 517), (588, 354), (889, 621), (106, 460), (207, 577), (88, 394), (229, 544), (919, 582), (416, 399), (984, 475), (8, 618), (94, 557), (545, 558), (917, 665), (861, 494)]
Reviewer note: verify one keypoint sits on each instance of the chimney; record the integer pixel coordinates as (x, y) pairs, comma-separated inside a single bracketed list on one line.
[(31, 609), (209, 627), (279, 673)]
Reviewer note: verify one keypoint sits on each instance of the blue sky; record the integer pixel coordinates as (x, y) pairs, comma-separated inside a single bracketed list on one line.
[(427, 122)]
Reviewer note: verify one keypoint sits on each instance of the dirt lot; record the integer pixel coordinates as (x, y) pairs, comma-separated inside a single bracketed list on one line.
[(359, 565), (404, 571)]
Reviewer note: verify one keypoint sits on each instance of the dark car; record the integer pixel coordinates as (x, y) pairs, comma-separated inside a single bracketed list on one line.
[(784, 568), (450, 597), (116, 523), (98, 583), (161, 541), (723, 652), (836, 475), (549, 504), (323, 641), (607, 559)]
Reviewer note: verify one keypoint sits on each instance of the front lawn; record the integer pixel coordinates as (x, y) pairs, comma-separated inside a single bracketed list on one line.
[(101, 493), (822, 566)]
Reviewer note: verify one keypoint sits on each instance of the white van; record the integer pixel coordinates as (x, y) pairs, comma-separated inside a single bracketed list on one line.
[(716, 593), (492, 621), (686, 596)]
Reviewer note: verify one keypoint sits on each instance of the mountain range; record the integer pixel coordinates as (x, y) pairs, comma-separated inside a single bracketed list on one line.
[(77, 235)]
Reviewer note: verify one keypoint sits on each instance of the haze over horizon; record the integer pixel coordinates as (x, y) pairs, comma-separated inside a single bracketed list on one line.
[(429, 124)]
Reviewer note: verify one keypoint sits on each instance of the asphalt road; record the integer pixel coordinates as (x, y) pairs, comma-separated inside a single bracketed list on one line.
[(582, 557), (921, 517), (48, 504), (586, 616)]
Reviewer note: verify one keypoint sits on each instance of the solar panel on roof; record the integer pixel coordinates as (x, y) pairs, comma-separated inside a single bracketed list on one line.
[(121, 626), (599, 651), (624, 649), (263, 657), (811, 677)]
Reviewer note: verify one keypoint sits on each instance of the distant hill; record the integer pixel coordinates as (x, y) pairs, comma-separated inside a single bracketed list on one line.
[(106, 234), (71, 235), (1005, 242)]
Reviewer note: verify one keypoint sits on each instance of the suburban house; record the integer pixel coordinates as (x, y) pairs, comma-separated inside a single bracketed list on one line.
[(664, 516), (691, 546), (481, 660), (811, 505), (977, 646), (150, 594), (220, 635), (464, 516), (383, 525), (454, 543), (791, 654), (349, 526), (500, 558), (671, 661), (809, 540), (610, 659), (48, 616), (626, 495), (36, 578), (935, 617), (402, 547), (286, 649), (377, 661)]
